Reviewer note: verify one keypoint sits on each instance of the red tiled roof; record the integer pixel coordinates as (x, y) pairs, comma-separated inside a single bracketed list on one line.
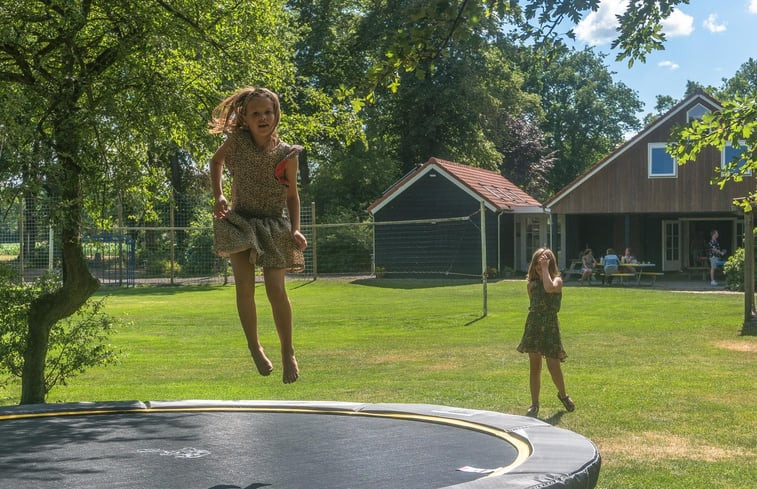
[(491, 186)]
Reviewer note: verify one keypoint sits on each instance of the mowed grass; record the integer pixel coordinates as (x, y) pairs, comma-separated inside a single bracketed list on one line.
[(664, 384)]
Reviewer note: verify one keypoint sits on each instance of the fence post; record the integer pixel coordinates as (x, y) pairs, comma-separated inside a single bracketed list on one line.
[(314, 245), (483, 255), (21, 238), (50, 247), (171, 233)]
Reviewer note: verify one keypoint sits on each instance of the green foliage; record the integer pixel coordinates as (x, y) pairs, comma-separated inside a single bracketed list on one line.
[(734, 268), (345, 249), (199, 258), (76, 343)]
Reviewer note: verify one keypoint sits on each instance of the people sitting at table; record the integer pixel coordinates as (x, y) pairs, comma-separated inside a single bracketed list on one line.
[(588, 262), (611, 264)]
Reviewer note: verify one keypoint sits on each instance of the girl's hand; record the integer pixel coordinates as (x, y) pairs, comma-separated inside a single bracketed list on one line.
[(299, 240), (221, 208)]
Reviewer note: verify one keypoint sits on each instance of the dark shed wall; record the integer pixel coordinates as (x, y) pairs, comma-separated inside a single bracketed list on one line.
[(429, 197)]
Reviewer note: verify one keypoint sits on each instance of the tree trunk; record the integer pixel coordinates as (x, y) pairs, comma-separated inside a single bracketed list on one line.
[(78, 283)]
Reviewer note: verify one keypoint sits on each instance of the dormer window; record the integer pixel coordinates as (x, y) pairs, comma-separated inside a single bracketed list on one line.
[(696, 113), (660, 163)]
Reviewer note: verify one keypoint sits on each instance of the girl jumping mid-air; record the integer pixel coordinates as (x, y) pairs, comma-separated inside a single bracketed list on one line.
[(541, 336), (255, 229)]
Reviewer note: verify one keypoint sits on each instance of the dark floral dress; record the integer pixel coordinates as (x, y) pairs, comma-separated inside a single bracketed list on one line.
[(542, 331), (257, 219)]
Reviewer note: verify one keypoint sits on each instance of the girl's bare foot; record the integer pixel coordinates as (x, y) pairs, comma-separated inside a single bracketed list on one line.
[(264, 366), (291, 369)]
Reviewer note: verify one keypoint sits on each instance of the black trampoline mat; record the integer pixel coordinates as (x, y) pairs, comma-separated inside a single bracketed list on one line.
[(242, 449)]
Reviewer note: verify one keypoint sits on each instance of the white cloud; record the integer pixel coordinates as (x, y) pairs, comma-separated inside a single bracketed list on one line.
[(678, 24), (712, 25), (753, 7), (668, 64), (600, 27)]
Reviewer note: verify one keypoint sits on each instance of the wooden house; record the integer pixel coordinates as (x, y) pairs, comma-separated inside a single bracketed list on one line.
[(639, 197), (430, 222)]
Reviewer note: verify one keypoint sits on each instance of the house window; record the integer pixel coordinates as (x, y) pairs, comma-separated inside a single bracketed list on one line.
[(661, 164), (696, 112), (732, 153)]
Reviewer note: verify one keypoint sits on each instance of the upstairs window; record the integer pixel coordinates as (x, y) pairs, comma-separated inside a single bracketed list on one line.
[(696, 112), (660, 163), (731, 153)]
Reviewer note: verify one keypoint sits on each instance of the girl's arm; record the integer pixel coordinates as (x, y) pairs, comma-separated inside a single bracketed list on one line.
[(551, 285), (221, 205), (293, 204)]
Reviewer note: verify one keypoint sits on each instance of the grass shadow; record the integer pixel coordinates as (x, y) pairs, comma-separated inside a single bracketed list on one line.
[(413, 283)]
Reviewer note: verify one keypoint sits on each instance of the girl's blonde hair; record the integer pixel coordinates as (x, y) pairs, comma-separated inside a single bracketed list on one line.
[(534, 266), (228, 116)]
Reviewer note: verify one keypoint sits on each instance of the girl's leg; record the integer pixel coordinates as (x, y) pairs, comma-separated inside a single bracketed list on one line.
[(282, 315), (534, 360), (244, 278), (554, 369)]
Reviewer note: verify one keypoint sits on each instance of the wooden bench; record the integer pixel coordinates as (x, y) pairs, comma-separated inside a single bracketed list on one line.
[(696, 270), (652, 275), (622, 276), (575, 268)]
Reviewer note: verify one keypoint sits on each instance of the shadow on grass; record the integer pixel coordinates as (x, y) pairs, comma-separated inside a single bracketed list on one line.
[(156, 289), (414, 283), (555, 419)]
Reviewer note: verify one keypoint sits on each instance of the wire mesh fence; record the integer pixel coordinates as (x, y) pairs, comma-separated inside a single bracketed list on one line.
[(173, 255)]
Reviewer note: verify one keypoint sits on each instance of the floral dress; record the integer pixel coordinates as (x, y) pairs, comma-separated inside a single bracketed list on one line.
[(257, 219), (542, 331)]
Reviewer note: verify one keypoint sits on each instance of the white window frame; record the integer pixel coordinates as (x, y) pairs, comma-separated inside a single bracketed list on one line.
[(651, 147), (724, 161), (689, 113)]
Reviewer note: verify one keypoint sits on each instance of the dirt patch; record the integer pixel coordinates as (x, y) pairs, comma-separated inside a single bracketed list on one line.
[(733, 345), (652, 446)]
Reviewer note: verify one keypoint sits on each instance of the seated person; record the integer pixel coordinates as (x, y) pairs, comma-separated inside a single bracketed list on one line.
[(587, 265), (627, 258), (611, 263)]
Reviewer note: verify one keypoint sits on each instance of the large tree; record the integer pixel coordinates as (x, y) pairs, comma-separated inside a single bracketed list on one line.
[(101, 83)]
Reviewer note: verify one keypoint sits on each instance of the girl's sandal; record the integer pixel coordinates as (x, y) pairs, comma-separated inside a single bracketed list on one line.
[(533, 411), (570, 406)]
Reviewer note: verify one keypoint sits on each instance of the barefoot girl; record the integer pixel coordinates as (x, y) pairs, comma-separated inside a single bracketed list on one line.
[(256, 230)]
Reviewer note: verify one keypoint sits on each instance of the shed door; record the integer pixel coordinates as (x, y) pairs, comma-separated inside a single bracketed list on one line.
[(671, 242)]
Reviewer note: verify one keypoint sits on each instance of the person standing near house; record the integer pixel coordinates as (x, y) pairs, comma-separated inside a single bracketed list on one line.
[(262, 226), (716, 254), (588, 262), (541, 336)]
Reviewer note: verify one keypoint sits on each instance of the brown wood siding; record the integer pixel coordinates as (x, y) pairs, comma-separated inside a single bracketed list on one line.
[(623, 185)]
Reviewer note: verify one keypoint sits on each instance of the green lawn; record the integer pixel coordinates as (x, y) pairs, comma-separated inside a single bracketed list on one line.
[(663, 382)]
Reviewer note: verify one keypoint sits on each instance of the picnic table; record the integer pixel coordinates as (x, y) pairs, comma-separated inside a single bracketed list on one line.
[(636, 273)]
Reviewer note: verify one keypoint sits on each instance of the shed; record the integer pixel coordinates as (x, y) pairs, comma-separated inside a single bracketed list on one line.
[(429, 222)]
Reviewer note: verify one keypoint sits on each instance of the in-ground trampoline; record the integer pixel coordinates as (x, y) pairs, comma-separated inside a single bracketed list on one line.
[(285, 445)]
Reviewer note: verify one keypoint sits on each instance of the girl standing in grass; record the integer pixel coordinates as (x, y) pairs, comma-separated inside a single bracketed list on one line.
[(256, 230), (542, 332)]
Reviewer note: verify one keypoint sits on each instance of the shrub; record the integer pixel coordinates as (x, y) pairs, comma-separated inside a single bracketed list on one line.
[(75, 344)]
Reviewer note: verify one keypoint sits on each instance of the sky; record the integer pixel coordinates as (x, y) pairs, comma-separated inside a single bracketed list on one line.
[(707, 40)]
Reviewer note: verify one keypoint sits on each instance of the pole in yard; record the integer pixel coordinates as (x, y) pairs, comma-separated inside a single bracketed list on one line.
[(483, 255), (314, 244)]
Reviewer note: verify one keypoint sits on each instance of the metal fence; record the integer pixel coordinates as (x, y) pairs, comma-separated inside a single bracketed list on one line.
[(173, 255)]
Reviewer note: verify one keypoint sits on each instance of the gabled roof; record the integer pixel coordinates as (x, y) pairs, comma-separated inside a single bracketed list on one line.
[(698, 96), (497, 192)]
